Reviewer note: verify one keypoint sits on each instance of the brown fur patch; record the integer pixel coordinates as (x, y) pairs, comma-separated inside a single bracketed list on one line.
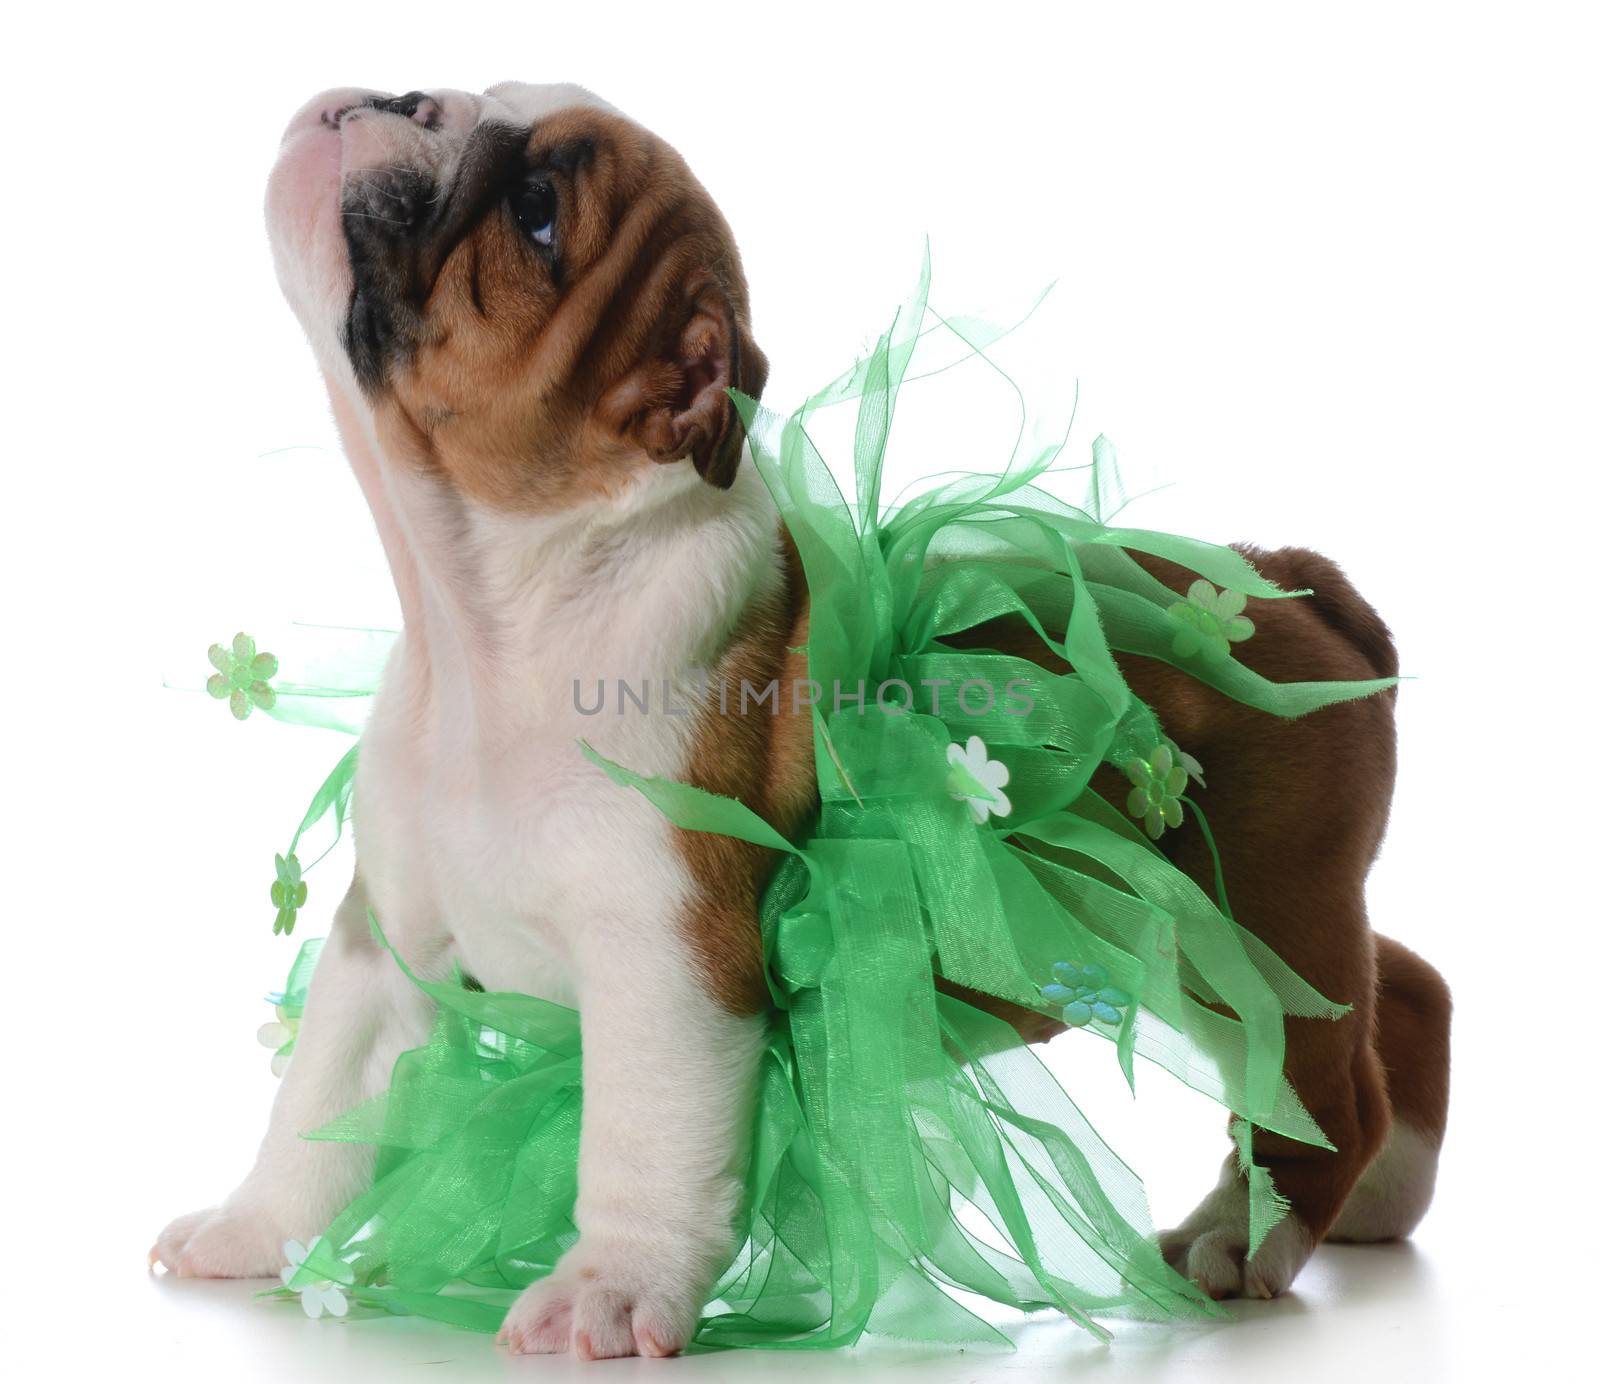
[(591, 366), (1413, 1038), (763, 756)]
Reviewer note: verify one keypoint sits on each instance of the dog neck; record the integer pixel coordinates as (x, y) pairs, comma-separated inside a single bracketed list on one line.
[(505, 613)]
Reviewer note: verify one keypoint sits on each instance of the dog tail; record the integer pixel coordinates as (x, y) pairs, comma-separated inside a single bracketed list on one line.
[(1340, 605)]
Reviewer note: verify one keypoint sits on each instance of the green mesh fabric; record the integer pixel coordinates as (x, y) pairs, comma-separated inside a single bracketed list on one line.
[(905, 1143)]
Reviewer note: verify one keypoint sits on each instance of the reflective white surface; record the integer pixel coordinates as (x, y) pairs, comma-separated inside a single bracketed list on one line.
[(1397, 1310)]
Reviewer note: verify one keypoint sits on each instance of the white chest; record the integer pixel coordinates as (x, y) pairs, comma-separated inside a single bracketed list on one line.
[(483, 833)]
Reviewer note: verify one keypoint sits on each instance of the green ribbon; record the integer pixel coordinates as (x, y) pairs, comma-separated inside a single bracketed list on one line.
[(893, 1118)]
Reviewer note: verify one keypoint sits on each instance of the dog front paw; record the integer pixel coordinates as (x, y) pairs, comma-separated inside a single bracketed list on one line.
[(220, 1243), (608, 1301)]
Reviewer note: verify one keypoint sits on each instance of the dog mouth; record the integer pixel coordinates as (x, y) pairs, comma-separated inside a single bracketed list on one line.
[(403, 210), (380, 213)]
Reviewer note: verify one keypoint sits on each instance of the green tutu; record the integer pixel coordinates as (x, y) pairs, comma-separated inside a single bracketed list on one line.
[(905, 1143)]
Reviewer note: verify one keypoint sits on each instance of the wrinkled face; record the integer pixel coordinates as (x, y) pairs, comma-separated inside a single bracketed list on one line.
[(531, 295)]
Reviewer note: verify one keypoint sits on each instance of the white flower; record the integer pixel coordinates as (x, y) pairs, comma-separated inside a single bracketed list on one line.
[(316, 1298), (977, 780), (277, 1035)]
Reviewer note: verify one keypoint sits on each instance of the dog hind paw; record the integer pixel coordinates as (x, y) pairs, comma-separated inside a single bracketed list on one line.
[(1212, 1254)]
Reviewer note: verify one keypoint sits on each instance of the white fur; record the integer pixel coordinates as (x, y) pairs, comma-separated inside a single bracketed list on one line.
[(1393, 1193), (485, 837), (1210, 1245)]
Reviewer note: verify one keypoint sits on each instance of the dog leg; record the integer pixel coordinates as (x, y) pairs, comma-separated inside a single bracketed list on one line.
[(1211, 1245), (668, 1079), (360, 1014), (1334, 1067), (1298, 809), (1414, 1048)]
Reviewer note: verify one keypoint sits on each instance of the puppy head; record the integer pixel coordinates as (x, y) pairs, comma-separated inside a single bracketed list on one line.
[(532, 296)]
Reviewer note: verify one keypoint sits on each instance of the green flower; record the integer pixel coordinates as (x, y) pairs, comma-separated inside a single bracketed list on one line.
[(1158, 783), (241, 676), (1083, 994), (288, 893), (279, 1035), (1209, 621)]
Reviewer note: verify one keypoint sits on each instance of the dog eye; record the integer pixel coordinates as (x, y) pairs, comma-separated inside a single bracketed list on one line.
[(534, 206)]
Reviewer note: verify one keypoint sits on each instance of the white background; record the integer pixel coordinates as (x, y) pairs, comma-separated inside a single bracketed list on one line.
[(1331, 274)]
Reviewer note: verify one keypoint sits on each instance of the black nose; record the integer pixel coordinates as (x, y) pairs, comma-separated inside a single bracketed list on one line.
[(414, 105)]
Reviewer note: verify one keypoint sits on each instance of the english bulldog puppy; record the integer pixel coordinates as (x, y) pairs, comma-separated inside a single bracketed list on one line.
[(528, 314)]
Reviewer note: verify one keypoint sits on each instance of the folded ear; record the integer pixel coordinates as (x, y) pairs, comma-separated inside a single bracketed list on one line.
[(677, 405)]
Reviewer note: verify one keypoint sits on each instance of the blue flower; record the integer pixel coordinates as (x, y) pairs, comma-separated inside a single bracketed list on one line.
[(1083, 994)]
